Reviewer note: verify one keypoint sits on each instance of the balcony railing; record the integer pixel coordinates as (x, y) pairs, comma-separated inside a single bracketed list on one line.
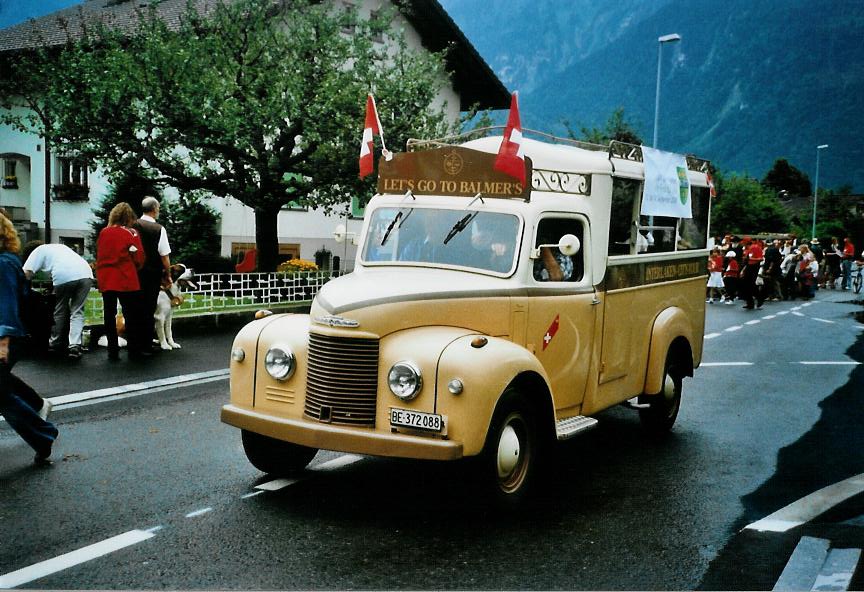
[(71, 192)]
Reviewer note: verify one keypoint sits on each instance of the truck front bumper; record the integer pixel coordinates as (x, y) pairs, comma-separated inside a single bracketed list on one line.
[(344, 439)]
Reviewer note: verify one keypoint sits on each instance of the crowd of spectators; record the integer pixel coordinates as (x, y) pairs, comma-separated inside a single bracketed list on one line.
[(755, 270)]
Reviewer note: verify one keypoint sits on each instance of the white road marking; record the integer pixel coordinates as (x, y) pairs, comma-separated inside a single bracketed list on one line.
[(823, 320), (782, 312), (253, 494), (734, 328), (726, 364), (198, 512), (810, 506), (73, 558), (753, 322), (277, 484), (807, 304), (712, 335), (336, 463), (795, 308), (769, 317), (150, 386), (829, 363), (798, 314)]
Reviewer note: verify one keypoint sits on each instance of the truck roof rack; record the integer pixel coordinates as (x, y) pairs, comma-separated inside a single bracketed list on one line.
[(615, 149)]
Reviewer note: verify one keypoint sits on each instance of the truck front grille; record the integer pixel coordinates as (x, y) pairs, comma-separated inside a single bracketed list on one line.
[(342, 380)]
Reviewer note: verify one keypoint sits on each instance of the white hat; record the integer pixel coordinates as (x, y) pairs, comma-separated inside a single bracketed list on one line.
[(730, 254)]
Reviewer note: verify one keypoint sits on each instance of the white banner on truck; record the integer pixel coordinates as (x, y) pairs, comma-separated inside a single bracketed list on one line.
[(667, 188)]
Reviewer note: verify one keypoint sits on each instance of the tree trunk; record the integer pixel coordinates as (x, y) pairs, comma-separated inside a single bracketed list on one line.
[(267, 238)]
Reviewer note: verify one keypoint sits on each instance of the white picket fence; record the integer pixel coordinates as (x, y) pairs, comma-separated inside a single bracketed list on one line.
[(232, 292)]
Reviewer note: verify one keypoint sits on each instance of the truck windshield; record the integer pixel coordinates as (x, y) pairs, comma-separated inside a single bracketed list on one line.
[(459, 238)]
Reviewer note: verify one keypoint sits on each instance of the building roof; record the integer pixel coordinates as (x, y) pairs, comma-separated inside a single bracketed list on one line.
[(473, 79)]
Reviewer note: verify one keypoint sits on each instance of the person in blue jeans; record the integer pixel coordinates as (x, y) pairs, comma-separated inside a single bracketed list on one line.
[(39, 433)]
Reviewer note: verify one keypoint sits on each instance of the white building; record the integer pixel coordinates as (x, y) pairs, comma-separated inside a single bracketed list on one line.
[(54, 193)]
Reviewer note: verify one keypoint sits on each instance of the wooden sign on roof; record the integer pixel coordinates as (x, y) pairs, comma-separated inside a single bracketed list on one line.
[(451, 170)]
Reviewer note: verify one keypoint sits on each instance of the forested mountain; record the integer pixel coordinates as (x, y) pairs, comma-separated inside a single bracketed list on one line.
[(750, 81)]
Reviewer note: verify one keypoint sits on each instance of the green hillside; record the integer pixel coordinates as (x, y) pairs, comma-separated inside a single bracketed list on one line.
[(750, 81)]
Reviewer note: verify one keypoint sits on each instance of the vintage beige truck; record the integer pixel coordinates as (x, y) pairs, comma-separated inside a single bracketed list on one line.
[(485, 318)]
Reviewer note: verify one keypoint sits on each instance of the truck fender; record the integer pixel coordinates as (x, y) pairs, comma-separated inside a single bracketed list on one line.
[(671, 333), (485, 370)]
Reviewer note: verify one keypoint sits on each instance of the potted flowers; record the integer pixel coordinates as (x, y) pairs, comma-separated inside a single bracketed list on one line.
[(10, 182)]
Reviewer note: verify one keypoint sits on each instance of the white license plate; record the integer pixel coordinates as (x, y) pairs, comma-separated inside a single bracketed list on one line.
[(417, 420)]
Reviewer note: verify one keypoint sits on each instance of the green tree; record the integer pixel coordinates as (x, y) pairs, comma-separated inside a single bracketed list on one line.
[(744, 206), (130, 187), (192, 228), (617, 128), (230, 102), (785, 177)]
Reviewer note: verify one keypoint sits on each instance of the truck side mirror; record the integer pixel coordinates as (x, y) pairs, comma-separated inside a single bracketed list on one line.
[(569, 245)]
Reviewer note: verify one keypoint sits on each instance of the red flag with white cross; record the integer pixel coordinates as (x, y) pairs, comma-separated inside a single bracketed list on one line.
[(371, 128), (511, 154)]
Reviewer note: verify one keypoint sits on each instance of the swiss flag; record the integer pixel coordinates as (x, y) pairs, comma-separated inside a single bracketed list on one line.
[(550, 332), (711, 190), (372, 127), (511, 155)]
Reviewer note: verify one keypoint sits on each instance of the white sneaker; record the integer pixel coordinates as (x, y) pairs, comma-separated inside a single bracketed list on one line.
[(45, 410)]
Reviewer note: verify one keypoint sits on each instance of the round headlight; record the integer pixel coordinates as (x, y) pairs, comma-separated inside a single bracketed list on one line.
[(280, 362), (405, 380)]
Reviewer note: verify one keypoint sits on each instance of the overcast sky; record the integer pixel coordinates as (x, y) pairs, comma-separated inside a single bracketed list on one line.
[(15, 11)]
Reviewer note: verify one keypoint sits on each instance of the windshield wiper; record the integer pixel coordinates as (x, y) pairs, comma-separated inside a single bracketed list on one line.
[(400, 215), (460, 225)]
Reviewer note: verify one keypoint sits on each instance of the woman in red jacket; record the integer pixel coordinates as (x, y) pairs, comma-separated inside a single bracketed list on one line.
[(119, 255)]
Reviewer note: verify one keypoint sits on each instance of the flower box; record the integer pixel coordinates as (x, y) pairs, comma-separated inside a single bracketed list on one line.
[(71, 192)]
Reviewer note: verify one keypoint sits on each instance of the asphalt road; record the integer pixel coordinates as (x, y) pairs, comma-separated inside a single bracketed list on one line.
[(772, 415)]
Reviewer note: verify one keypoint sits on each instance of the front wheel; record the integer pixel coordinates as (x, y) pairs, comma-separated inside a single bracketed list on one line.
[(510, 459), (275, 457), (663, 407)]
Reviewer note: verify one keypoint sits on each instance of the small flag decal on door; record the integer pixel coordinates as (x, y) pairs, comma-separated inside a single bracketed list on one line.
[(550, 333)]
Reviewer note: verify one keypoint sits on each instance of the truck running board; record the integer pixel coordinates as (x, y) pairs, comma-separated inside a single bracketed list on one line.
[(567, 428)]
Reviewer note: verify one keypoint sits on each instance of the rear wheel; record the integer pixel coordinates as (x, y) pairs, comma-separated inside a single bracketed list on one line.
[(663, 407), (510, 459), (275, 456)]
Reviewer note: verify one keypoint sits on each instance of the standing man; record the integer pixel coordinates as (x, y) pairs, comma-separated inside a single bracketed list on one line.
[(848, 256), (155, 272), (72, 279)]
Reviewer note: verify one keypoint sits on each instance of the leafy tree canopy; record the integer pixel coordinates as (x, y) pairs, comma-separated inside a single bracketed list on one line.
[(744, 206), (785, 177), (259, 101), (617, 127)]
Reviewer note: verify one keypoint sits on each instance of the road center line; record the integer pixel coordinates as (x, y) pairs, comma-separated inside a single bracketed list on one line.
[(344, 460), (277, 484), (73, 558), (782, 312), (829, 363), (768, 317), (703, 364), (734, 328), (823, 320), (798, 314), (753, 322), (160, 383), (810, 506), (198, 512), (712, 335)]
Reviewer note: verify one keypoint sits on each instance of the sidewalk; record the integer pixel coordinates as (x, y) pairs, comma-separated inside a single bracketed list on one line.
[(205, 345)]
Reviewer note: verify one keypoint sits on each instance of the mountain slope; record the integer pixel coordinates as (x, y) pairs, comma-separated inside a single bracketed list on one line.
[(750, 81)]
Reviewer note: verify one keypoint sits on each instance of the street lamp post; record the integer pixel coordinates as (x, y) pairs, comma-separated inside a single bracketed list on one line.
[(816, 189), (671, 38)]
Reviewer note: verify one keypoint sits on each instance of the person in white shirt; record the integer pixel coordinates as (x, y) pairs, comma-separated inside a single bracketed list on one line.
[(156, 271), (72, 278)]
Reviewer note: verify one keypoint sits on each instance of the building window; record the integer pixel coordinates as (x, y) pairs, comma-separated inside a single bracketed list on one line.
[(10, 179), (72, 179)]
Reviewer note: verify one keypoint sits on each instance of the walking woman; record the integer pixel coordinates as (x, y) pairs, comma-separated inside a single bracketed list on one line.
[(119, 256), (14, 393)]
